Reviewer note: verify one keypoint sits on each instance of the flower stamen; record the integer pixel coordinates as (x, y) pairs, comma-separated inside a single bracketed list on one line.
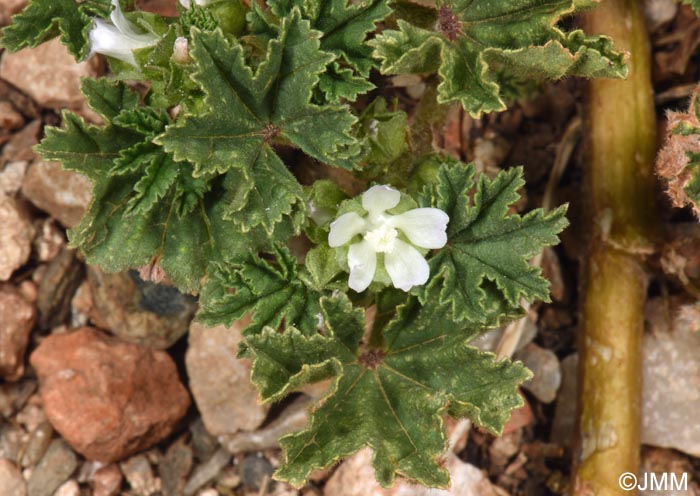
[(382, 239)]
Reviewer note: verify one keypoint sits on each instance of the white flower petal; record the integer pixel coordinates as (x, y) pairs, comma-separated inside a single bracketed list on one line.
[(106, 39), (118, 38), (362, 261), (424, 227), (344, 228), (377, 199), (406, 266), (137, 40)]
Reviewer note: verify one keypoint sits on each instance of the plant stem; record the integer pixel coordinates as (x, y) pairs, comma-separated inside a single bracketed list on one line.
[(623, 228)]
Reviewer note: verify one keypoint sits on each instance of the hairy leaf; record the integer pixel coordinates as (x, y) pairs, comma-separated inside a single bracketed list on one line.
[(249, 111), (474, 43), (344, 26), (678, 161), (391, 399), (43, 20), (486, 243), (271, 290), (145, 205)]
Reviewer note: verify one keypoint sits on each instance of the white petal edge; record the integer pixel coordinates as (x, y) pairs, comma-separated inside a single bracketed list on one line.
[(138, 40), (406, 266), (377, 199), (106, 39), (344, 228), (424, 227), (362, 261)]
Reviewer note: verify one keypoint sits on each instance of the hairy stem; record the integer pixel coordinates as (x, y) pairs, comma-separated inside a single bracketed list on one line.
[(623, 226)]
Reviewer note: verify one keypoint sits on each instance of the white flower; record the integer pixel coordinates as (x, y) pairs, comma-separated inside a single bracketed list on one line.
[(201, 3), (393, 236), (118, 38)]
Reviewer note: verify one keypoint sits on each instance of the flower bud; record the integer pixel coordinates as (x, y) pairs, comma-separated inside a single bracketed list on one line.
[(181, 52)]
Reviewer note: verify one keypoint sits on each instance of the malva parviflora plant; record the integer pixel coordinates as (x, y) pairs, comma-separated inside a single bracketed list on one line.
[(200, 174)]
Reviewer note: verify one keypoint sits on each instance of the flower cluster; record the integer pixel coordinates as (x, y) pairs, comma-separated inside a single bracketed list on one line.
[(388, 239)]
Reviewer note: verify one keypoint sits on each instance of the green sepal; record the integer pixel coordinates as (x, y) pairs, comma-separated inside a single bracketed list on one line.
[(387, 134), (323, 199), (322, 267)]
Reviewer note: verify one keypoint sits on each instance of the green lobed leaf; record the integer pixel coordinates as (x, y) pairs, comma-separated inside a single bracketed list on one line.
[(42, 20), (344, 27), (271, 290), (145, 205), (473, 42), (391, 399), (273, 196), (486, 243), (248, 111), (342, 83)]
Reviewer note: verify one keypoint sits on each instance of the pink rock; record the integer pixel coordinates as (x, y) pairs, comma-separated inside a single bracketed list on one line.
[(11, 479), (107, 481), (49, 74), (107, 398), (8, 8), (63, 194), (16, 236), (17, 317), (220, 382)]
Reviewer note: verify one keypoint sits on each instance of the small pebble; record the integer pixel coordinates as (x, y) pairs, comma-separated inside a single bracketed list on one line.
[(207, 472), (57, 465), (546, 371), (255, 470), (203, 443), (139, 474), (11, 481), (39, 441), (107, 481), (208, 492), (175, 467), (68, 488)]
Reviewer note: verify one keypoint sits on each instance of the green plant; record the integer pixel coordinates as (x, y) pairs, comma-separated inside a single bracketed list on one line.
[(200, 175)]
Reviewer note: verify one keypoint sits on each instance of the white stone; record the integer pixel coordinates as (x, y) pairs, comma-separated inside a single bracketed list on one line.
[(671, 392)]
